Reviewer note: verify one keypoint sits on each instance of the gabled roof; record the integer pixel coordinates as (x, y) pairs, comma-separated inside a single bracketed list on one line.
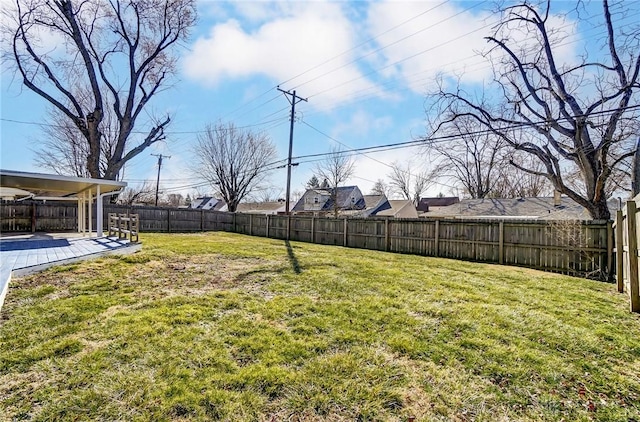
[(399, 208), (372, 205), (371, 201), (343, 198)]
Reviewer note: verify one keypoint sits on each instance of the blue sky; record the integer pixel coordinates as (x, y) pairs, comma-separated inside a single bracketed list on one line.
[(365, 68)]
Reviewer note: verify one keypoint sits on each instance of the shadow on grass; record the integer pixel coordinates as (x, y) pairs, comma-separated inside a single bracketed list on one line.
[(292, 258)]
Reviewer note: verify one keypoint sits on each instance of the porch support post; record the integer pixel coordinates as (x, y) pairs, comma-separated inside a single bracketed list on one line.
[(90, 206), (99, 213), (81, 213)]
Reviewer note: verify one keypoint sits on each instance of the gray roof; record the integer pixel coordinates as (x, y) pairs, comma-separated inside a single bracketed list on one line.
[(399, 208), (261, 207), (371, 201), (438, 201), (533, 208)]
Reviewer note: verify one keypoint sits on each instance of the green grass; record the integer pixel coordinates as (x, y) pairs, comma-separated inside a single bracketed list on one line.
[(228, 327)]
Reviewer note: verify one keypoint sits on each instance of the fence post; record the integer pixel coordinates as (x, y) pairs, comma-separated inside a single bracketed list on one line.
[(267, 230), (201, 220), (619, 251), (344, 231), (234, 227), (313, 229), (609, 250), (501, 243), (33, 217), (632, 236), (288, 226), (250, 224), (387, 234), (437, 240)]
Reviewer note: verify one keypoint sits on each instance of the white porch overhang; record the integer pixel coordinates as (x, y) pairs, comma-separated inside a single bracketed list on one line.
[(65, 188)]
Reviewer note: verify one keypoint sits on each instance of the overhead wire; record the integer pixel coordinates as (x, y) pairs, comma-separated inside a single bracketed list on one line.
[(363, 43), (442, 138), (309, 158), (373, 92), (357, 59)]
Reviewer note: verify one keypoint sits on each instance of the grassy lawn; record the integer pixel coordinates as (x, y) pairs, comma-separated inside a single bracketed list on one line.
[(228, 327)]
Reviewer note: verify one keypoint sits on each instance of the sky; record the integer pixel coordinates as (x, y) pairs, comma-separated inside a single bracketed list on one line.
[(365, 69)]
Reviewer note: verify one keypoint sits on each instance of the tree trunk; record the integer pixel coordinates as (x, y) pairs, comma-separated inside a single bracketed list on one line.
[(599, 210)]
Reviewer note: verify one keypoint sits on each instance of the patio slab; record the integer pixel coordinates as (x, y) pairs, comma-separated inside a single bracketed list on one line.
[(22, 255)]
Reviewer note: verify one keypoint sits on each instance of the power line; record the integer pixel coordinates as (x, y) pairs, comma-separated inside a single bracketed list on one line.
[(187, 132), (446, 138), (393, 43), (309, 158)]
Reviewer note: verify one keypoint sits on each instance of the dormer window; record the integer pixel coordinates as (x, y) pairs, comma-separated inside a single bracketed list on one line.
[(353, 200)]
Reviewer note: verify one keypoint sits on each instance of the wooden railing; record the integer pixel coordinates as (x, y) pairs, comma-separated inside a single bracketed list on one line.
[(124, 226)]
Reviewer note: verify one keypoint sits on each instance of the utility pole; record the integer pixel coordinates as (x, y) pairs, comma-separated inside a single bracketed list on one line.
[(160, 157), (294, 99)]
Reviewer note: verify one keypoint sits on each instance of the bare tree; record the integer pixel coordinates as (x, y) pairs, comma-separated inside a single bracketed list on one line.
[(143, 194), (473, 157), (336, 169), (266, 194), (569, 116), (64, 149), (409, 180), (381, 188), (514, 183), (118, 54), (234, 161)]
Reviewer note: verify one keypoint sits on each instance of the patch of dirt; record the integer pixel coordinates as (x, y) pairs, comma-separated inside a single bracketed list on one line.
[(201, 274)]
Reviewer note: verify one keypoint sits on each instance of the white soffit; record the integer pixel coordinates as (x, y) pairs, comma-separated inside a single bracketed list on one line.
[(55, 184)]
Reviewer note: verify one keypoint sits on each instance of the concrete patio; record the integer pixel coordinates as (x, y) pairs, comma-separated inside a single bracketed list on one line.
[(26, 254)]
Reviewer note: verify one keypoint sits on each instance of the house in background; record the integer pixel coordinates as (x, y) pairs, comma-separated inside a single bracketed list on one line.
[(541, 208), (208, 203), (319, 201), (351, 203)]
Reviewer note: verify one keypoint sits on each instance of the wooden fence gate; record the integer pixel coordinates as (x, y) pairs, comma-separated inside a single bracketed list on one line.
[(626, 249)]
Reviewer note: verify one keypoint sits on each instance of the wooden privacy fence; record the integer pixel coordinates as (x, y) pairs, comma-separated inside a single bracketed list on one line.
[(577, 248), (59, 217), (581, 248), (626, 248)]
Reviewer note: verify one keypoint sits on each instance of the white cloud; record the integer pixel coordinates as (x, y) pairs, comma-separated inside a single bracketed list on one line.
[(445, 41), (428, 43), (362, 123), (304, 35)]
